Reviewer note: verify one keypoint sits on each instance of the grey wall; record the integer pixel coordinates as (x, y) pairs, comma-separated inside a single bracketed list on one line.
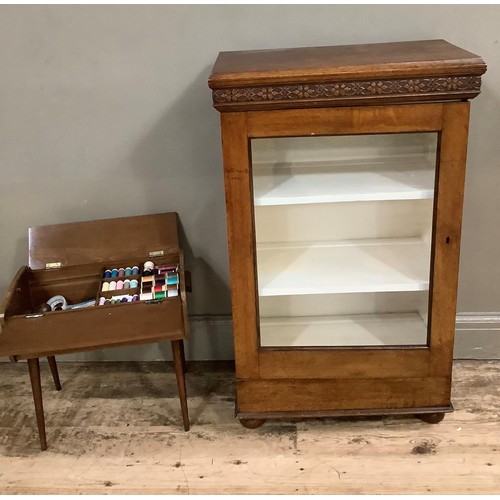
[(105, 112)]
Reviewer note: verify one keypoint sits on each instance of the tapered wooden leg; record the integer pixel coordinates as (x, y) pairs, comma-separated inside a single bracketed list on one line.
[(36, 386), (55, 373), (177, 353), (183, 357)]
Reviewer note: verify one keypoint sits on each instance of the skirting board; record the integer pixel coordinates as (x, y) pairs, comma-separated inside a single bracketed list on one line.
[(477, 337)]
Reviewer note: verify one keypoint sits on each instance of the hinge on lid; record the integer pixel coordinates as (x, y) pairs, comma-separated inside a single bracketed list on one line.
[(156, 253), (53, 265)]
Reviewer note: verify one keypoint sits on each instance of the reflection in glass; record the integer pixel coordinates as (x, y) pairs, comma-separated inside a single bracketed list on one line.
[(343, 228)]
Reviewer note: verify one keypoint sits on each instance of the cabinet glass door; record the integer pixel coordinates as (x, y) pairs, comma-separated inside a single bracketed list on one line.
[(343, 230)]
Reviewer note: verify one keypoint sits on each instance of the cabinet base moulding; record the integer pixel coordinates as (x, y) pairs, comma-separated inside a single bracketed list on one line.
[(270, 396), (283, 415)]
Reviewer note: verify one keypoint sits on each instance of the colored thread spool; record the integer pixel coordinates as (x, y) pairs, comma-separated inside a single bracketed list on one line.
[(134, 283), (146, 296), (172, 287), (105, 286), (160, 295), (107, 273), (135, 298), (167, 269), (112, 286), (125, 299), (135, 270), (126, 284), (114, 273), (159, 281), (173, 280), (119, 285), (102, 301), (121, 272), (172, 293), (158, 288), (128, 271), (147, 279)]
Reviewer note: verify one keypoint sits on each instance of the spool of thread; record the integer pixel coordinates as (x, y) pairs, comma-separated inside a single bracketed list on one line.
[(166, 269), (135, 270), (107, 273), (158, 288), (114, 273), (147, 279), (121, 272), (159, 281), (119, 285), (102, 301), (125, 299), (112, 286), (173, 280), (148, 265), (172, 287), (172, 293), (134, 283), (135, 298), (160, 295), (146, 296), (126, 284), (128, 271), (105, 286)]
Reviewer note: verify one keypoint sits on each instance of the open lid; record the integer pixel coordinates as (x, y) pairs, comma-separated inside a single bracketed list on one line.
[(137, 238)]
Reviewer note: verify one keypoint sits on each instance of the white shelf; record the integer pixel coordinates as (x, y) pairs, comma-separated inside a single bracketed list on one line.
[(355, 266), (322, 182), (341, 331)]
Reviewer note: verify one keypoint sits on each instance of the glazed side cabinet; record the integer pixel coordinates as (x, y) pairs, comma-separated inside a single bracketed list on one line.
[(344, 174)]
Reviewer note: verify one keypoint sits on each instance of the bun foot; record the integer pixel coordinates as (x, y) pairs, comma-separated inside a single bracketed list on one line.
[(252, 423), (431, 418)]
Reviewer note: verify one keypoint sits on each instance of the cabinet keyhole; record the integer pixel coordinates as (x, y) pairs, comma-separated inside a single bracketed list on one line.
[(447, 240)]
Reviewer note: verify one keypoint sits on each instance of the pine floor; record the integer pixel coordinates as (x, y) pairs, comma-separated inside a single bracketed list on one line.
[(116, 428)]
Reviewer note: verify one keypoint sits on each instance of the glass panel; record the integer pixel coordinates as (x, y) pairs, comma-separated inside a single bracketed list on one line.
[(343, 228)]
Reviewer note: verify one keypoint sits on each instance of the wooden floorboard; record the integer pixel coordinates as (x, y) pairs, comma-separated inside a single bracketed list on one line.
[(116, 428)]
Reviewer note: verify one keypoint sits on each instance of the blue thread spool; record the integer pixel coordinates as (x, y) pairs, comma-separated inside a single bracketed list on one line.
[(114, 273), (135, 270), (134, 283), (128, 271), (107, 273)]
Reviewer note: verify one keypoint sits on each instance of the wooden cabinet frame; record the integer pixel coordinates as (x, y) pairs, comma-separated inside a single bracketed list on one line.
[(390, 88), (389, 377)]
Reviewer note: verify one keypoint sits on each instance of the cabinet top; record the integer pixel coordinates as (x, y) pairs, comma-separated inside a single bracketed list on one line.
[(343, 75)]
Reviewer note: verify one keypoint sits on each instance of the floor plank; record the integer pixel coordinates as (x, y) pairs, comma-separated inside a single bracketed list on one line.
[(117, 428)]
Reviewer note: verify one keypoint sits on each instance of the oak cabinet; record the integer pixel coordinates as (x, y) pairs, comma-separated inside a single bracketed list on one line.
[(344, 174)]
